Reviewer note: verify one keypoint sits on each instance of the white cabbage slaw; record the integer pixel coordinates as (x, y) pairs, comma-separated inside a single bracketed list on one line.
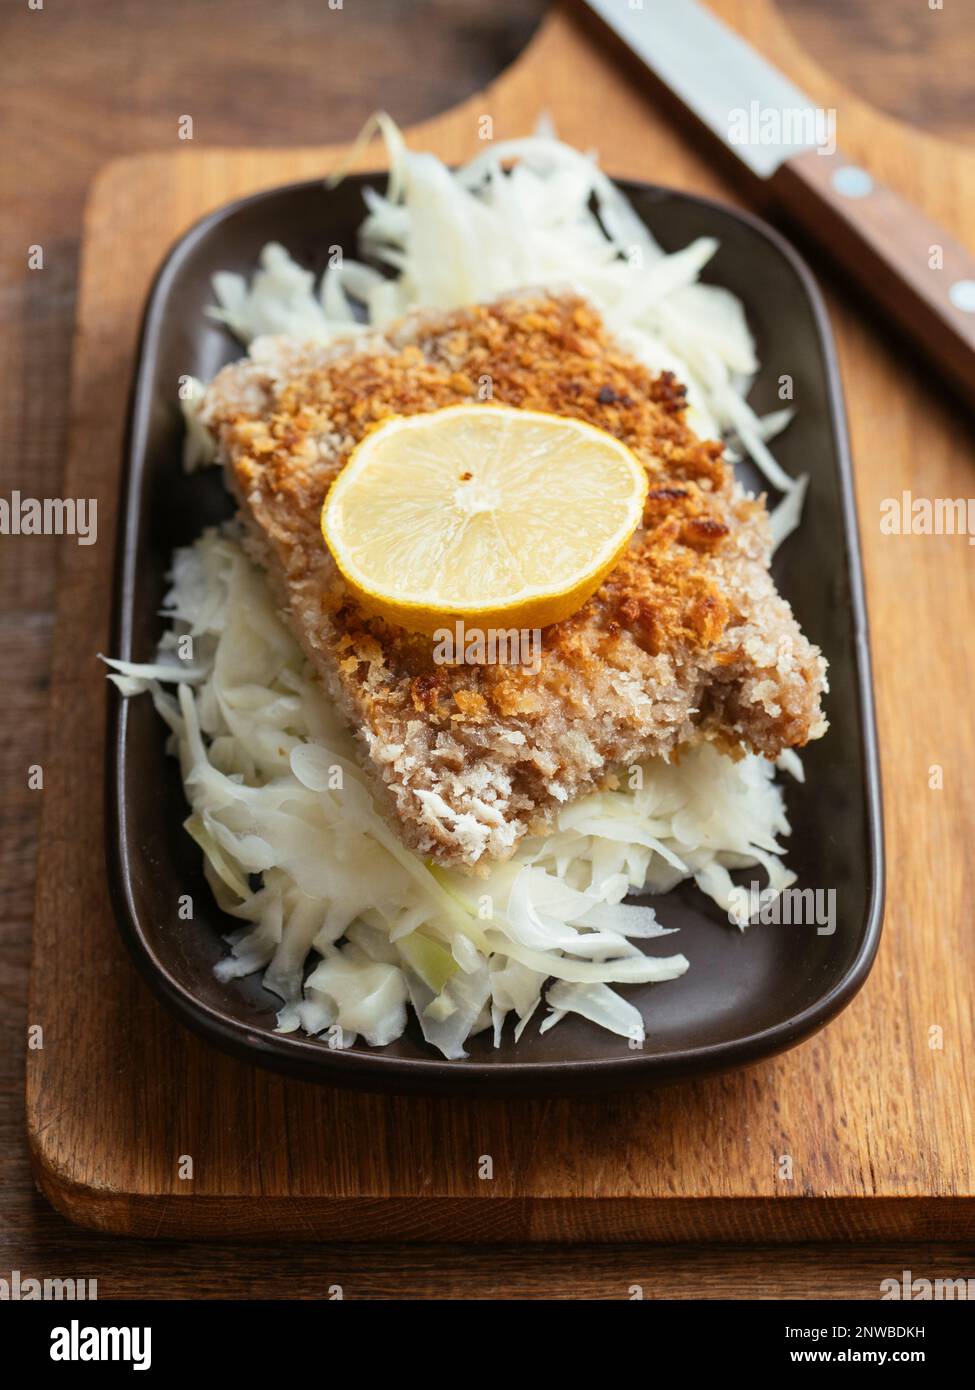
[(295, 846), (528, 212), (297, 850)]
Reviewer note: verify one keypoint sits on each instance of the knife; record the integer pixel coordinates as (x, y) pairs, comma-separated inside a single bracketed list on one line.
[(919, 275)]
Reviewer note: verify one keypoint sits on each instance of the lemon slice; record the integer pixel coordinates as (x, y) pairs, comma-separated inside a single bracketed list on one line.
[(482, 513)]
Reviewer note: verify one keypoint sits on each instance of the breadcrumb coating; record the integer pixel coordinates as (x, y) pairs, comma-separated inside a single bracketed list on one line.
[(687, 638)]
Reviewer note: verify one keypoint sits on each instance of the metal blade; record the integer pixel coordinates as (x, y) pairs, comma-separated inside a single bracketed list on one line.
[(753, 110)]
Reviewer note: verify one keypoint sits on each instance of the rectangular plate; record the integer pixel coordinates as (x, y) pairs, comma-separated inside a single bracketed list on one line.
[(745, 996)]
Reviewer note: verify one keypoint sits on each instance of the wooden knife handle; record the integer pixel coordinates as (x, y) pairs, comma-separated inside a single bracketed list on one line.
[(922, 277)]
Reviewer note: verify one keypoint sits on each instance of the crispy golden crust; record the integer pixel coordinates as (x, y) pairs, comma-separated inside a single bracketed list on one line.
[(686, 638)]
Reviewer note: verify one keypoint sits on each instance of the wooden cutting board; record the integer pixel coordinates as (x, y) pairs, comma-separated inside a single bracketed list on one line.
[(873, 1117)]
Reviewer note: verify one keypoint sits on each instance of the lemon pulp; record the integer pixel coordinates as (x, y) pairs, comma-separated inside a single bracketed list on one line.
[(483, 513)]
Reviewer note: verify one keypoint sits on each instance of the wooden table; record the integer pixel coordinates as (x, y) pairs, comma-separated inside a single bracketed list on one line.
[(80, 92)]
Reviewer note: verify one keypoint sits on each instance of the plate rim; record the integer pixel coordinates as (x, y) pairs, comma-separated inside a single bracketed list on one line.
[(374, 1070)]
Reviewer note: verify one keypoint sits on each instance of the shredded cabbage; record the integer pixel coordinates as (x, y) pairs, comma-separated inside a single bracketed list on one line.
[(349, 928), (297, 851), (529, 212)]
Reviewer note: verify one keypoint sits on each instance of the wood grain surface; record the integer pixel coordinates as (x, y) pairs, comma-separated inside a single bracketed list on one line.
[(888, 1112)]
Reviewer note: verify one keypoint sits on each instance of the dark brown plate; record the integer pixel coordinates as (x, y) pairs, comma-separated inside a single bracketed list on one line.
[(746, 995)]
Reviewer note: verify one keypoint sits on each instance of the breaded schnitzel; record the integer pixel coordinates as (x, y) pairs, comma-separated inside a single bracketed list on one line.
[(687, 639)]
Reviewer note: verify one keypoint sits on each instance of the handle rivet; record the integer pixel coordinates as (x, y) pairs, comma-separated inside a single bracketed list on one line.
[(962, 295), (852, 182)]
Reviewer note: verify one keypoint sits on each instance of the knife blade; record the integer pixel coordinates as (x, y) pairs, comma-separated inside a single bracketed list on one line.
[(712, 71), (921, 277)]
